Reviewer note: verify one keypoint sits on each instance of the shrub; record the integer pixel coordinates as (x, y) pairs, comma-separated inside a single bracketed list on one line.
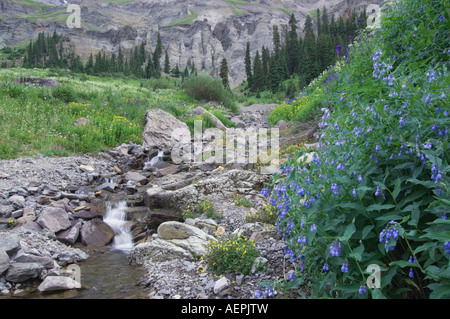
[(65, 93), (231, 253), (377, 190), (207, 88), (204, 207)]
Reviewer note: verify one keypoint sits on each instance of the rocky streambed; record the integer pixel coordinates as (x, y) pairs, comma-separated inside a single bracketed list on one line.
[(57, 239)]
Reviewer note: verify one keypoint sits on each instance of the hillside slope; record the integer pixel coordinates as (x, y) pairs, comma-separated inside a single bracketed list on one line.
[(193, 32)]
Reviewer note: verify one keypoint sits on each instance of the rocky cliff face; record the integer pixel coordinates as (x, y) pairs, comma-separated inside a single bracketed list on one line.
[(192, 31)]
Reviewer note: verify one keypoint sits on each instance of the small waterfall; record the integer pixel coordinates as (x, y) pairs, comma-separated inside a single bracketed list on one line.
[(149, 164), (115, 217)]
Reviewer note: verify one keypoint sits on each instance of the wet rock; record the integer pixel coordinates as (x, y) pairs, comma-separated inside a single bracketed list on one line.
[(96, 232), (58, 283)]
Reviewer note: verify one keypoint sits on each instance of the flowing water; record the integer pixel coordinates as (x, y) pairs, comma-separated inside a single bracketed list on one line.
[(106, 274), (149, 164), (115, 217)]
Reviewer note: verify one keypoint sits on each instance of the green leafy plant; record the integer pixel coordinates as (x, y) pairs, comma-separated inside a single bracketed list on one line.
[(377, 190), (231, 253), (242, 201)]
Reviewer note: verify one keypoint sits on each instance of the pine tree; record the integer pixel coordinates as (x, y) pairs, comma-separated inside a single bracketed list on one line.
[(223, 73), (248, 66), (157, 56), (292, 46), (149, 69), (257, 74), (166, 63), (90, 65)]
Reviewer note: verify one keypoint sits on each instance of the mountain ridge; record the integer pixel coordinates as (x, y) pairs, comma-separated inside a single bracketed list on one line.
[(193, 32)]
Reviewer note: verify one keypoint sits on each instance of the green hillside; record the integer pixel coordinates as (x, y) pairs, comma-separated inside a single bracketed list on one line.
[(376, 193)]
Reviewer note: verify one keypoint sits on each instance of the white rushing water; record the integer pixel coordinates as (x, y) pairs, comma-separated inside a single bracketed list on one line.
[(115, 217), (149, 164)]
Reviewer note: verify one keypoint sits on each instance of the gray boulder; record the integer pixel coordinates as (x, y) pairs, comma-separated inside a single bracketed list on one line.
[(157, 250), (54, 219), (176, 230), (4, 261), (96, 232), (70, 236), (163, 130), (11, 244), (20, 272), (58, 283)]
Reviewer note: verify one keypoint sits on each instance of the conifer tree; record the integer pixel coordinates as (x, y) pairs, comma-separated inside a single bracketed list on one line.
[(166, 63), (248, 66), (257, 74), (223, 73)]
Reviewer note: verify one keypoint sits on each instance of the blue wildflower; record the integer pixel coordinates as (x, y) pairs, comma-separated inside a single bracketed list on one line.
[(313, 228), (325, 267), (447, 247), (265, 192), (362, 290), (335, 249), (335, 190), (344, 267)]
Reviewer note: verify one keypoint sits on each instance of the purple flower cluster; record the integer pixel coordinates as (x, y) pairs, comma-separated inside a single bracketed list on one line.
[(389, 232)]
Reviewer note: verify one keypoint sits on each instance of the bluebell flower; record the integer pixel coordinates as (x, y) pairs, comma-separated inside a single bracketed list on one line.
[(335, 249), (360, 179), (335, 190), (257, 294), (447, 247), (265, 192), (402, 121), (377, 191), (428, 99), (313, 228), (411, 273), (354, 193), (325, 267), (344, 267), (362, 290), (292, 276)]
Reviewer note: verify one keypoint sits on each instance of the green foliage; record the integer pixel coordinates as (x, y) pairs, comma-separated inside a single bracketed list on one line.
[(231, 253), (64, 93), (205, 207), (207, 88), (377, 190), (242, 201)]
